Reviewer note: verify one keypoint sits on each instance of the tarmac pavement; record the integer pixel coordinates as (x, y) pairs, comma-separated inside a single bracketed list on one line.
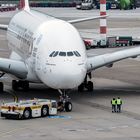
[(91, 117)]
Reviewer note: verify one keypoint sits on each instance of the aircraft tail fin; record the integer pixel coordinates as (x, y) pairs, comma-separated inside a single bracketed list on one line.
[(24, 5)]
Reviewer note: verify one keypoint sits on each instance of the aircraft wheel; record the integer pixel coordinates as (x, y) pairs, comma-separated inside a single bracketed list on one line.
[(90, 86), (1, 87), (68, 106), (81, 87), (25, 85), (15, 85)]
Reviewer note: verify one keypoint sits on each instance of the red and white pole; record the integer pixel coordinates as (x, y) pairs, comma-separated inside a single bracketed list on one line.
[(103, 22), (21, 4)]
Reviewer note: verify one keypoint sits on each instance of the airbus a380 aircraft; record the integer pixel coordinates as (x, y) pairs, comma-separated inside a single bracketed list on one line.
[(51, 51)]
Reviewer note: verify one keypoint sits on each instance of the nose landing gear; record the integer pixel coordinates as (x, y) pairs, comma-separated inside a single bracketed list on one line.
[(64, 103)]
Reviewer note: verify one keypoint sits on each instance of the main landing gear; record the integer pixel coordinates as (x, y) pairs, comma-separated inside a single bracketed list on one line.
[(1, 86), (64, 103), (1, 83), (16, 85), (86, 84)]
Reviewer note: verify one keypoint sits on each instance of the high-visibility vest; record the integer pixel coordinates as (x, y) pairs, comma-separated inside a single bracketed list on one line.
[(113, 102), (119, 101)]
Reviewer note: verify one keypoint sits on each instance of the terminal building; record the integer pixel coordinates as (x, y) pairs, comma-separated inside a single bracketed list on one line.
[(55, 3), (45, 3), (40, 1)]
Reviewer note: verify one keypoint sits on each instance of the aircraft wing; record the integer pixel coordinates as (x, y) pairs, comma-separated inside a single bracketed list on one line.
[(108, 59), (3, 26), (85, 19), (14, 67)]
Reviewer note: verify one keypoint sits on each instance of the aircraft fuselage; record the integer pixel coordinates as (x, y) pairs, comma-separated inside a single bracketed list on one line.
[(51, 48)]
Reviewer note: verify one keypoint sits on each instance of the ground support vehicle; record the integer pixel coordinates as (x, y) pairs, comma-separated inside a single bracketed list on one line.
[(78, 6), (124, 41), (85, 5), (87, 44), (127, 4), (29, 109)]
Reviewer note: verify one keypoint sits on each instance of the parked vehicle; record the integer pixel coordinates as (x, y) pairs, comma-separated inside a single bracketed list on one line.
[(29, 109)]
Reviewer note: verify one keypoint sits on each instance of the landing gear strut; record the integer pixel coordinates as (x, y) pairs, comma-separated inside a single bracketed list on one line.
[(1, 83), (16, 85), (64, 103), (86, 84), (1, 86)]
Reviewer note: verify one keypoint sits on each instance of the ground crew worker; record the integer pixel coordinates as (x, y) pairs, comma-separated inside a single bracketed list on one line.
[(119, 104), (113, 103), (60, 104)]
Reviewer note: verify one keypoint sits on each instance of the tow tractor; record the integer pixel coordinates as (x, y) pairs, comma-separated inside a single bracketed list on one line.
[(29, 109), (26, 109)]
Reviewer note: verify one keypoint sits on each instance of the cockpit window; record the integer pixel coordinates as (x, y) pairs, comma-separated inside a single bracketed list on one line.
[(56, 53), (62, 54), (78, 53), (70, 54), (75, 53), (51, 54)]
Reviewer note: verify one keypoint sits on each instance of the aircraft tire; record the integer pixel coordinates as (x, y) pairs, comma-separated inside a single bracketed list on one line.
[(81, 87), (68, 106), (1, 86), (15, 85), (90, 86), (25, 85)]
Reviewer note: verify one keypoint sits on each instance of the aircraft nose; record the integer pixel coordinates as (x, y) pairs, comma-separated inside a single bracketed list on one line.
[(67, 77)]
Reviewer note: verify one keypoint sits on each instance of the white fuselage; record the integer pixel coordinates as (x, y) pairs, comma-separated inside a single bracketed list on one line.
[(51, 48)]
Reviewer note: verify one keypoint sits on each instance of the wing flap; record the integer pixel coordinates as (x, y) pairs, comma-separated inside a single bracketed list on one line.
[(14, 67), (110, 58)]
